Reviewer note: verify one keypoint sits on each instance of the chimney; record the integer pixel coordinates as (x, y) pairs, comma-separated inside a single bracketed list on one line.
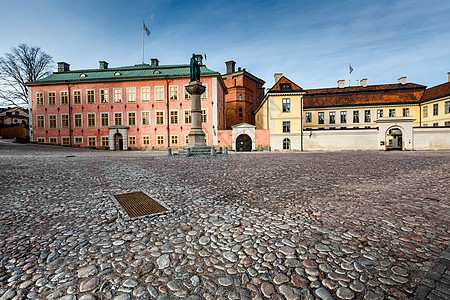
[(103, 65), (402, 80), (363, 82), (231, 64), (341, 84), (277, 76), (448, 74), (154, 62), (199, 59), (63, 67)]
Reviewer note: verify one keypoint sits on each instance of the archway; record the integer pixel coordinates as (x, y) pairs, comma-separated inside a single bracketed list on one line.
[(118, 141), (243, 143), (394, 139)]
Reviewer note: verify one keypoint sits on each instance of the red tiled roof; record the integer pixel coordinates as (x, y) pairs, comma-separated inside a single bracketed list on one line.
[(370, 95), (278, 89), (436, 92)]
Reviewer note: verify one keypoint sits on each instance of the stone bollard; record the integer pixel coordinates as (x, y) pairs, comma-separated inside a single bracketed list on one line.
[(225, 151), (220, 149), (213, 151), (188, 152), (169, 151)]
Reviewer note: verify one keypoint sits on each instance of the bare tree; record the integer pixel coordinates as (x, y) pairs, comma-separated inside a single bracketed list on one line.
[(24, 64)]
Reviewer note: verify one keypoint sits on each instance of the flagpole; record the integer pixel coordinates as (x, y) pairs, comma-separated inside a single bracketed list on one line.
[(143, 41)]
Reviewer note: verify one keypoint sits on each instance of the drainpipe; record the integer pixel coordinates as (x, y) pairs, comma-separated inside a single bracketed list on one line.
[(301, 123), (70, 123), (168, 115)]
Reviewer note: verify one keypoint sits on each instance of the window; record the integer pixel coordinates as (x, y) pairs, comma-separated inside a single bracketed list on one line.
[(240, 97), (367, 117), (187, 117), (104, 119), (39, 99), (286, 144), (131, 141), (204, 116), (286, 126), (286, 105), (104, 97), (131, 94), (343, 117), (435, 109), (173, 117), (425, 111), (308, 117), (65, 141), (425, 125), (240, 114), (51, 98), (105, 141), (64, 98), (186, 139), (160, 118), (91, 120), (356, 116), (332, 116), (174, 139), (205, 93), (391, 112), (145, 94), (92, 141), (117, 95), (90, 96), (447, 123), (41, 140), (159, 93), (64, 121), (78, 120), (405, 112), (145, 118), (160, 140), (131, 119), (76, 97), (52, 121), (53, 140), (117, 119), (40, 122), (173, 92), (187, 96), (78, 140), (380, 113), (447, 107), (146, 140), (321, 117), (435, 124), (206, 139)]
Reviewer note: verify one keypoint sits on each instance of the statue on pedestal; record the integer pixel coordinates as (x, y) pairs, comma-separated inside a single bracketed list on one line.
[(195, 69)]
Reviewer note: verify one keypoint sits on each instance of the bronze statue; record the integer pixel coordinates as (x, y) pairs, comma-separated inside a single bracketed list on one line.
[(195, 69)]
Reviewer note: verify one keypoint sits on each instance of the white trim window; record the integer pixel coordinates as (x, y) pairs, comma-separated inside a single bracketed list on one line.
[(104, 119), (145, 140), (173, 92), (40, 122), (204, 116), (145, 118), (78, 140), (78, 120), (65, 141), (52, 122), (380, 113), (187, 96), (160, 118), (145, 94), (308, 117), (105, 141), (174, 139), (159, 93), (117, 95), (77, 99), (131, 94), (187, 116), (90, 96), (64, 98), (174, 117), (51, 98), (132, 140), (91, 122), (118, 119), (160, 140), (92, 141), (204, 96), (40, 99), (131, 118), (104, 96), (286, 104), (41, 140), (64, 120)]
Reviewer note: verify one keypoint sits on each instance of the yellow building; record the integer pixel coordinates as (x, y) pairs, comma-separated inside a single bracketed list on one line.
[(435, 106)]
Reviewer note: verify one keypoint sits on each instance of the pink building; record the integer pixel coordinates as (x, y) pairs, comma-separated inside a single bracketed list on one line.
[(141, 106)]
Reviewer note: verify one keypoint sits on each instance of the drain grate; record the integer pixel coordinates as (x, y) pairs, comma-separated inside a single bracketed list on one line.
[(138, 204)]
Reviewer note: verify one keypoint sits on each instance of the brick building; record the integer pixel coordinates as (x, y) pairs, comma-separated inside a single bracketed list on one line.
[(141, 106), (245, 93)]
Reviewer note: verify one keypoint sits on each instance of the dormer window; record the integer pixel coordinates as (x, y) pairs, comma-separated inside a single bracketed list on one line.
[(83, 75), (157, 72), (286, 86), (117, 74)]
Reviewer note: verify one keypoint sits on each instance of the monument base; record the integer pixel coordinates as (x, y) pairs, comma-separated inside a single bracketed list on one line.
[(196, 150)]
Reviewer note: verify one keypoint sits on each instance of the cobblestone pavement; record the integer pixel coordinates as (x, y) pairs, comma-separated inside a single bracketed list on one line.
[(346, 225)]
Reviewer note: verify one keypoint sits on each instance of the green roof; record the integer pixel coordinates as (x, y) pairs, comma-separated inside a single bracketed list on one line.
[(142, 71)]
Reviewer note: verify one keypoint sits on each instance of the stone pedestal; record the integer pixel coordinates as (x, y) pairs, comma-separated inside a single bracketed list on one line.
[(196, 135)]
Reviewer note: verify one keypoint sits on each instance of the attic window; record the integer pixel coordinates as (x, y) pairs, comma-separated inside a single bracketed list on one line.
[(83, 75), (117, 74), (286, 86), (157, 72)]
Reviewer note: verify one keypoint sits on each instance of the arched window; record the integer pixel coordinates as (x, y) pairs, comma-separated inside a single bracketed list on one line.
[(286, 144), (240, 114), (240, 97)]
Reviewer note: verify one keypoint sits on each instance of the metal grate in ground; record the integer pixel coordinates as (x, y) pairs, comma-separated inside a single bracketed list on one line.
[(138, 204)]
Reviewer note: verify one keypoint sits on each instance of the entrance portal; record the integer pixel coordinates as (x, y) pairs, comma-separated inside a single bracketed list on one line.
[(243, 143), (394, 139), (118, 142)]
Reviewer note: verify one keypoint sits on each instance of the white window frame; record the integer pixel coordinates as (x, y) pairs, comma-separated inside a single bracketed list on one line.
[(56, 121), (187, 93), (101, 140), (95, 139), (40, 138), (186, 137), (157, 88), (114, 95), (205, 97), (43, 98), (87, 120), (164, 140), (100, 96), (149, 94), (149, 118), (87, 98), (62, 140), (156, 118), (178, 139), (380, 113), (170, 117), (79, 136), (133, 89), (184, 118), (306, 117), (61, 97), (109, 120), (48, 98), (114, 117), (81, 97), (81, 120), (207, 116), (149, 141), (171, 87), (53, 137), (43, 123), (135, 118), (135, 140)]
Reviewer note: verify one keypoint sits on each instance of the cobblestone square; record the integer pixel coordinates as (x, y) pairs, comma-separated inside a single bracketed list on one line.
[(342, 225)]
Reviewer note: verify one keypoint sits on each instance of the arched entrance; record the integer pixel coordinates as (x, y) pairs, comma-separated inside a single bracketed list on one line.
[(243, 143), (118, 142), (394, 139), (286, 144)]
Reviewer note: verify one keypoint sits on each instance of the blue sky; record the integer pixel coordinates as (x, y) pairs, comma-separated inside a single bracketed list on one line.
[(310, 42)]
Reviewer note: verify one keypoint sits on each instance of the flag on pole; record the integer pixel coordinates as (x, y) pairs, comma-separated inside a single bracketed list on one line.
[(350, 69), (146, 29)]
